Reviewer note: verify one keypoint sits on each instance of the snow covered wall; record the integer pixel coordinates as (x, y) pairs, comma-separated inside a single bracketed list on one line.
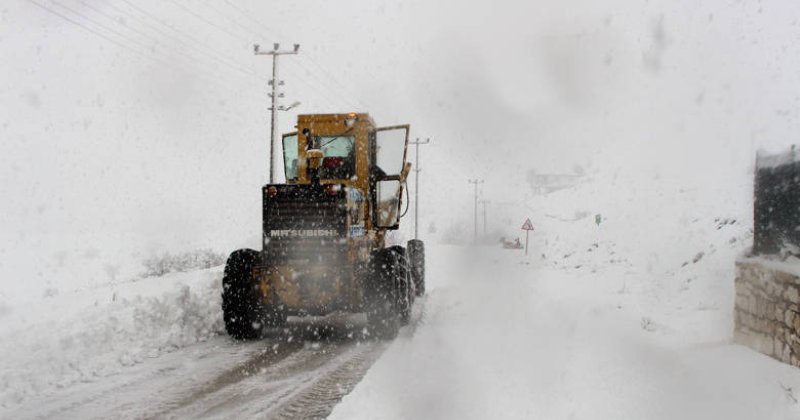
[(767, 305), (767, 309)]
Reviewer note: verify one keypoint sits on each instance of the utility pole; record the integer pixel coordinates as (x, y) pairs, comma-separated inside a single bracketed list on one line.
[(274, 95), (484, 203), (417, 170), (475, 229)]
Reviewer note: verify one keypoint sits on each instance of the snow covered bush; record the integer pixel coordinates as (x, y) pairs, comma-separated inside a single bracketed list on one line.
[(186, 261)]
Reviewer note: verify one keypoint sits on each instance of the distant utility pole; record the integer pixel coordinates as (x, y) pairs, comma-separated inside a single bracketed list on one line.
[(417, 170), (274, 108), (484, 203), (475, 229)]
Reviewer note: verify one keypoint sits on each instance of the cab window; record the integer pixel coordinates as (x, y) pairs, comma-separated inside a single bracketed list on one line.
[(339, 152), (290, 156)]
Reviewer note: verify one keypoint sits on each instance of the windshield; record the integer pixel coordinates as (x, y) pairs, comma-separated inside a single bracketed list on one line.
[(338, 162)]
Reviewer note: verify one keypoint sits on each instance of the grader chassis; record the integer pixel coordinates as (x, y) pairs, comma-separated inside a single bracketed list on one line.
[(324, 233)]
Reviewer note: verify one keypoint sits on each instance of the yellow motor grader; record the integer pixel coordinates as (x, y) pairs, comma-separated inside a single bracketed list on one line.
[(324, 248)]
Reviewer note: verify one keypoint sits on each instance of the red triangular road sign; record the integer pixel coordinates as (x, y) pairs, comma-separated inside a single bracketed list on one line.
[(527, 225)]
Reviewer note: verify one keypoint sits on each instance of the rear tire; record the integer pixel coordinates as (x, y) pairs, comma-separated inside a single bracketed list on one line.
[(404, 284), (383, 320), (416, 257), (242, 309)]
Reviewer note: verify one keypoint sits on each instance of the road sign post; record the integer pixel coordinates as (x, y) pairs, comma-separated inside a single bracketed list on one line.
[(527, 227)]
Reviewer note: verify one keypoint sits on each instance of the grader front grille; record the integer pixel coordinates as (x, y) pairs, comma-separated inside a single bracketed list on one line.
[(304, 224)]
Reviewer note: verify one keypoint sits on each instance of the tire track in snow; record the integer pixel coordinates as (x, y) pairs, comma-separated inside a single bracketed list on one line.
[(305, 384), (318, 401)]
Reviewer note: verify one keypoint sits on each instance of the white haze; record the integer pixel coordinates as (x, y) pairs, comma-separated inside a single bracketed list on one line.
[(110, 153)]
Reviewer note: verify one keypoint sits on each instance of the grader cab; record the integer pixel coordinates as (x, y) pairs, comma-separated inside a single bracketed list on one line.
[(324, 232)]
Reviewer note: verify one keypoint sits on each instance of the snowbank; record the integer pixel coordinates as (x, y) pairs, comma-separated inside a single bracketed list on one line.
[(83, 337)]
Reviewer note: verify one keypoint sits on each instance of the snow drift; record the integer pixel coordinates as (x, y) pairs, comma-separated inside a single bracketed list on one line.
[(88, 336)]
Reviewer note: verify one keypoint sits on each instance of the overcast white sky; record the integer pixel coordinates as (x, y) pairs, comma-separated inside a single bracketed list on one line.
[(149, 123)]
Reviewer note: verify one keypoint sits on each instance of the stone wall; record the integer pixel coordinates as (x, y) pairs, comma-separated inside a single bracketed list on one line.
[(767, 310)]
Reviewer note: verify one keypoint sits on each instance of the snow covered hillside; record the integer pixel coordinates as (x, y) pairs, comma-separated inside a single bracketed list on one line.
[(670, 244)]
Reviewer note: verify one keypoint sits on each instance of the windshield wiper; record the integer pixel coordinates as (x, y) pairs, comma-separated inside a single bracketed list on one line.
[(329, 141)]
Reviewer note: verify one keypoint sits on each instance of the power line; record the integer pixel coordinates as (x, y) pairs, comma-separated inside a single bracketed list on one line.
[(234, 21), (148, 36), (219, 58), (335, 80), (248, 14), (237, 36), (214, 55), (114, 41), (345, 98), (74, 22), (203, 19), (86, 18), (181, 33), (330, 99), (200, 17)]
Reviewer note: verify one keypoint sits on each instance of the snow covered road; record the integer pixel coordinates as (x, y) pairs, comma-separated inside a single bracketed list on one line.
[(502, 336), (509, 337), (301, 372)]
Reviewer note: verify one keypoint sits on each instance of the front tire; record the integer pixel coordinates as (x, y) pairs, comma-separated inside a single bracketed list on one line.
[(416, 256), (242, 309)]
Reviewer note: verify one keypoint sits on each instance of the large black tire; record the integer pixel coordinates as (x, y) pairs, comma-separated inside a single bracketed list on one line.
[(405, 296), (383, 318), (242, 307), (416, 257)]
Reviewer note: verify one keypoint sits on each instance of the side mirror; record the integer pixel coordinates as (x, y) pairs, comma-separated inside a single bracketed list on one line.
[(387, 209)]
